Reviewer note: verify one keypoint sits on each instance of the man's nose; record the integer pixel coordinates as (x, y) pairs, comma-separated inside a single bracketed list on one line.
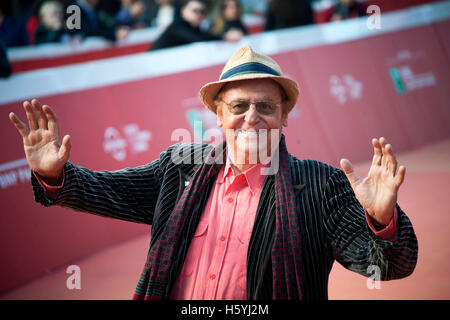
[(251, 115)]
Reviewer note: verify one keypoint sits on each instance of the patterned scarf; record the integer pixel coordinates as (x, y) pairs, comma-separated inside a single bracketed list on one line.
[(286, 249)]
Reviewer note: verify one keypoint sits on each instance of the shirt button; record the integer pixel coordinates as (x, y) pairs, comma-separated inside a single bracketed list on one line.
[(212, 277), (230, 200), (222, 238)]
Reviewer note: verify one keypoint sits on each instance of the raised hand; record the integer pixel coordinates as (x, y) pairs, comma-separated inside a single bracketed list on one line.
[(377, 192), (45, 153)]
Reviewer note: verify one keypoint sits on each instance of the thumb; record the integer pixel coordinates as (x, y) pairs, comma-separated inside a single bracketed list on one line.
[(347, 166), (64, 150)]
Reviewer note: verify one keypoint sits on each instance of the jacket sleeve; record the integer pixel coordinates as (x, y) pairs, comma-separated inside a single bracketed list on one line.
[(354, 244), (129, 194)]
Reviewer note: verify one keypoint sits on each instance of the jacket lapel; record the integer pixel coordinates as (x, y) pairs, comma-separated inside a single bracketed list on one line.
[(259, 256)]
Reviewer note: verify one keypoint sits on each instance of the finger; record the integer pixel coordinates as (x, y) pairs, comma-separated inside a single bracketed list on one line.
[(20, 126), (377, 153), (400, 176), (384, 158), (53, 122), (391, 161), (40, 115), (64, 150), (32, 122), (352, 177)]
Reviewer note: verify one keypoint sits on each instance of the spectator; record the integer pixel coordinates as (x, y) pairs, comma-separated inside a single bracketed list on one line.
[(33, 21), (132, 14), (288, 13), (187, 29), (107, 11), (5, 68), (347, 9), (13, 31), (163, 12), (51, 26), (229, 18), (95, 23), (110, 7), (25, 8)]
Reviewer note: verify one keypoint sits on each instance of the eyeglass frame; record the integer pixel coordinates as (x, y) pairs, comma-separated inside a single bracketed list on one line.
[(269, 103), (199, 11)]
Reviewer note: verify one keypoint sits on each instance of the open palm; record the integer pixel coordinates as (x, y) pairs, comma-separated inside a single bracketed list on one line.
[(45, 153), (377, 192)]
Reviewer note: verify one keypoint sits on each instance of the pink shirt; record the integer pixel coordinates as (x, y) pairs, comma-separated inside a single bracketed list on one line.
[(215, 265)]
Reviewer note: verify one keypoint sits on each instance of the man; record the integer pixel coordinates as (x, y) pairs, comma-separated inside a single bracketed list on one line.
[(225, 226), (186, 29)]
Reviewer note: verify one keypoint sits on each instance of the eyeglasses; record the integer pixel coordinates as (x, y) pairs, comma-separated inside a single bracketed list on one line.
[(241, 106), (199, 11)]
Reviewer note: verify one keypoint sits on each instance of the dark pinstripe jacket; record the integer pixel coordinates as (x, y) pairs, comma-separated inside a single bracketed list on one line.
[(333, 224)]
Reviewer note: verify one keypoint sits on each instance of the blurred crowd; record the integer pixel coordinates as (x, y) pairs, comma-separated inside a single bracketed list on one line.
[(33, 22)]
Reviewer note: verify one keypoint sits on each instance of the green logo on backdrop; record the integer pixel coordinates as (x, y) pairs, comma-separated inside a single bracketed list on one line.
[(397, 80)]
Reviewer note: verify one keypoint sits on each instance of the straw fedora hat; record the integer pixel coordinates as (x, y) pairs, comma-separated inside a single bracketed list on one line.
[(247, 64)]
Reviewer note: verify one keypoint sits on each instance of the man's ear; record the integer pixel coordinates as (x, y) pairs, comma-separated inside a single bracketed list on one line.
[(285, 120), (219, 116)]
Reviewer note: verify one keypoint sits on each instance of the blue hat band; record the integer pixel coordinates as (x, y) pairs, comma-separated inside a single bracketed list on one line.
[(249, 67)]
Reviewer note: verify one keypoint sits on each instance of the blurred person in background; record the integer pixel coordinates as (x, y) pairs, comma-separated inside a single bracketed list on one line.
[(162, 13), (229, 19), (26, 8), (187, 29), (33, 20), (288, 13), (5, 67), (347, 9), (132, 14), (109, 7), (13, 32), (95, 23), (51, 26), (107, 11)]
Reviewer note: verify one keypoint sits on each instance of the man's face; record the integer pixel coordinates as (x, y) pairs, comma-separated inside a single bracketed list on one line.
[(194, 12), (249, 132)]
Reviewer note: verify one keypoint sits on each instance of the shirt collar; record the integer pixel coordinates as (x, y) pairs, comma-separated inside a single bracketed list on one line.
[(252, 176)]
